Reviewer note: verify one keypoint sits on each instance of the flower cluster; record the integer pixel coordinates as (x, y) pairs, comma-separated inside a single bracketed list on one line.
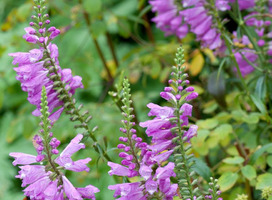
[(244, 54), (161, 127), (203, 18), (169, 128), (46, 184), (168, 18), (193, 17), (139, 161), (47, 181), (38, 67)]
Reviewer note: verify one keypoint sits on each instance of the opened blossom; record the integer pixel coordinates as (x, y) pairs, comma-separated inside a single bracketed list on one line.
[(168, 19), (39, 181), (160, 127)]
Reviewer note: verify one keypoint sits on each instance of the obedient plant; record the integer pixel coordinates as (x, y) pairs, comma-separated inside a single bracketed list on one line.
[(171, 134), (50, 87), (138, 160), (40, 67), (43, 174), (204, 19)]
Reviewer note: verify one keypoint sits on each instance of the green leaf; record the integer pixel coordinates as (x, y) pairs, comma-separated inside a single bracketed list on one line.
[(155, 68), (124, 27), (98, 28), (259, 152), (252, 118), (259, 104), (227, 181), (269, 160), (217, 87), (207, 124), (223, 130), (92, 6), (198, 142), (260, 89), (202, 169), (263, 181), (234, 160), (249, 172)]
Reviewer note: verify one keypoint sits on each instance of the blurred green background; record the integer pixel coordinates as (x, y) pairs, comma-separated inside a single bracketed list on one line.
[(132, 46)]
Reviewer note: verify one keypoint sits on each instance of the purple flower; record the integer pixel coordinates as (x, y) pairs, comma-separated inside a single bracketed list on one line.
[(168, 19), (201, 24), (70, 190), (88, 192), (30, 35), (33, 76), (159, 128), (222, 5), (31, 173), (120, 170), (132, 191), (191, 132), (22, 158), (39, 179), (244, 66), (244, 4), (165, 172), (64, 159)]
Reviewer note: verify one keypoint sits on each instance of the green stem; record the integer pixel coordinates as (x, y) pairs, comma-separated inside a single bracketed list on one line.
[(45, 132), (229, 46), (69, 103), (184, 157), (97, 46), (112, 49), (127, 109)]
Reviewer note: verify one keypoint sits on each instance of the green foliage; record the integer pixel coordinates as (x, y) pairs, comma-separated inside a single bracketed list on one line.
[(234, 137)]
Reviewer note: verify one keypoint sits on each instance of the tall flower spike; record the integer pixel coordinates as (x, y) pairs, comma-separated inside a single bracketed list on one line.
[(40, 67), (48, 181), (137, 161), (169, 129), (187, 181)]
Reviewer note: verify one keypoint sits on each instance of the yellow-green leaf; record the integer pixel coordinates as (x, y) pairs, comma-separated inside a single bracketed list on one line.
[(227, 181), (249, 172), (234, 160), (207, 124), (222, 131), (263, 181), (197, 64), (92, 6)]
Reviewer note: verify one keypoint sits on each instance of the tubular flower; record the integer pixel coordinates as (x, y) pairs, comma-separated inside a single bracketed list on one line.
[(168, 19), (42, 183), (138, 161), (201, 24), (35, 68)]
